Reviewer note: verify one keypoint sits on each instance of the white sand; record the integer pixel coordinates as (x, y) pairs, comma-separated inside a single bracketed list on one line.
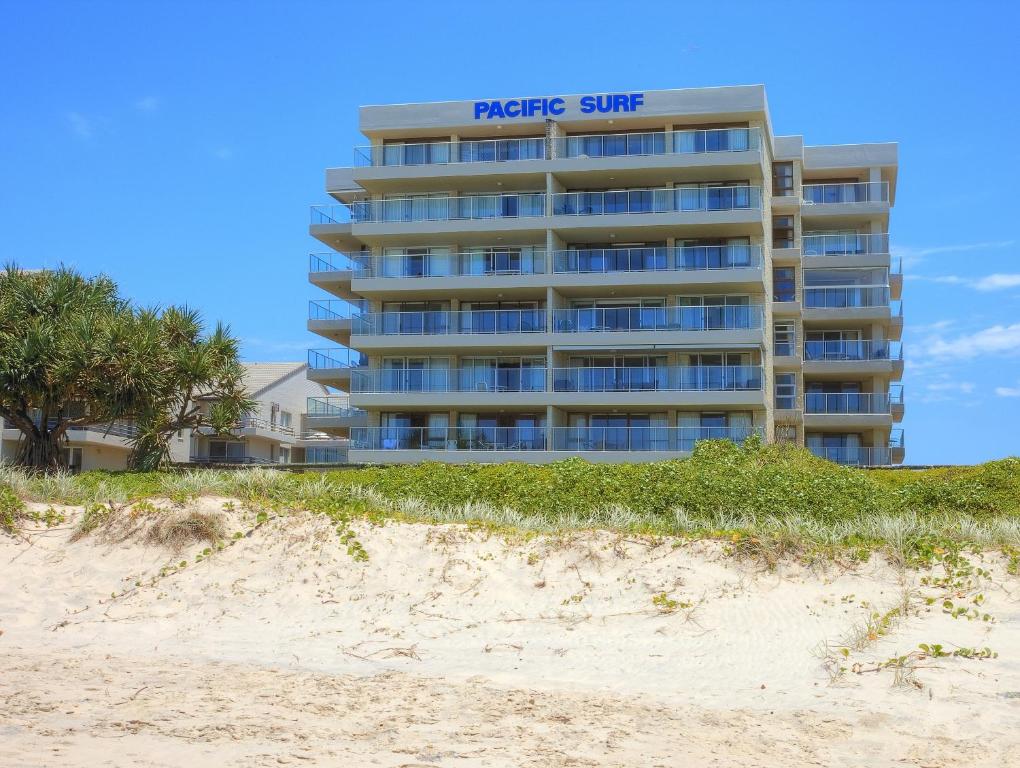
[(452, 648)]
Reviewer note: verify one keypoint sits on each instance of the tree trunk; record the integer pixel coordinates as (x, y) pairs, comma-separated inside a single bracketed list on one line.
[(42, 450)]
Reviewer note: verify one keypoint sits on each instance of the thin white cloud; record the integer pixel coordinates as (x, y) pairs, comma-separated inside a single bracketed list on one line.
[(82, 126), (913, 255), (996, 282), (147, 104), (965, 387), (1007, 391), (997, 340)]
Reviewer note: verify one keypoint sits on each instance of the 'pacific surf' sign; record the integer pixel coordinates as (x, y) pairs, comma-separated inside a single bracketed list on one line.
[(556, 105)]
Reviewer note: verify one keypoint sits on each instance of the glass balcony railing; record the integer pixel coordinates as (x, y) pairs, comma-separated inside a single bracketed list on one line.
[(334, 261), (520, 260), (854, 457), (845, 245), (449, 438), (530, 260), (700, 318), (340, 357), (255, 422), (732, 378), (658, 143), (846, 297), (849, 403), (853, 192), (701, 378), (444, 322), (674, 439), (574, 439), (333, 213), (511, 205), (859, 350), (331, 309), (326, 455), (331, 406), (592, 320), (476, 379), (534, 148), (662, 200), (448, 152), (654, 259)]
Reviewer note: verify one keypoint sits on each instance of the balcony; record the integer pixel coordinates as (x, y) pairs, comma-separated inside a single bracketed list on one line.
[(657, 259), (447, 152), (688, 142), (333, 261), (641, 439), (508, 321), (845, 245), (449, 438), (480, 262), (846, 193), (733, 378), (531, 440), (862, 350), (469, 207), (326, 455), (843, 403), (630, 319), (331, 318), (487, 322), (657, 143), (846, 297), (660, 200), (855, 457), (331, 406), (333, 412), (333, 359)]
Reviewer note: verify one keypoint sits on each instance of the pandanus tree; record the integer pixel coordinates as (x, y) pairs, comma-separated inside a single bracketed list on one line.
[(73, 353), (199, 382)]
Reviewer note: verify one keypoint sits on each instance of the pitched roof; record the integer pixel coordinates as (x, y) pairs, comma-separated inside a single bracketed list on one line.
[(258, 376)]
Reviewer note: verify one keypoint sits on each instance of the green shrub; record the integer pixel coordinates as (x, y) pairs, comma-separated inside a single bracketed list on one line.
[(12, 509)]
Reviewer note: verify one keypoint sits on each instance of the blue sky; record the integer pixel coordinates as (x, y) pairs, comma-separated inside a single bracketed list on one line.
[(177, 146)]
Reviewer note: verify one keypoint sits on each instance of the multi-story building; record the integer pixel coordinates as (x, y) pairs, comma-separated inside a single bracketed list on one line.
[(608, 276), (281, 429)]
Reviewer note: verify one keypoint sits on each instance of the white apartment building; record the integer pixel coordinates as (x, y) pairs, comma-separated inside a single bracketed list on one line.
[(277, 432), (612, 276)]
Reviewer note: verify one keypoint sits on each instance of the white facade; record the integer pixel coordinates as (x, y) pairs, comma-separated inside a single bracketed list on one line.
[(275, 433), (613, 276)]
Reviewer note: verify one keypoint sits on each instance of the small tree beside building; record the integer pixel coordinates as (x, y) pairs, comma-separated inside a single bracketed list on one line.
[(74, 353)]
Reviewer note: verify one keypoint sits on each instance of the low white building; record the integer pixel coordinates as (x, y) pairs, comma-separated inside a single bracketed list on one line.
[(277, 432)]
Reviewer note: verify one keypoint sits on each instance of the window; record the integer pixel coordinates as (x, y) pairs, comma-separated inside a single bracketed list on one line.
[(284, 455), (782, 231), (784, 338), (786, 391), (221, 449), (286, 419), (784, 284), (71, 458), (782, 179)]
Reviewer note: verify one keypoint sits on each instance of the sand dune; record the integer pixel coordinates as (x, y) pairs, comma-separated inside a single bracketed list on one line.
[(449, 647)]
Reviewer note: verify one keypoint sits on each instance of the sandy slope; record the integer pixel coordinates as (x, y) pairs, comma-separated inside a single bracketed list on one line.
[(453, 648)]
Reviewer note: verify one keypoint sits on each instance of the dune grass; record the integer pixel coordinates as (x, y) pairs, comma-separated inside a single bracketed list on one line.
[(777, 497)]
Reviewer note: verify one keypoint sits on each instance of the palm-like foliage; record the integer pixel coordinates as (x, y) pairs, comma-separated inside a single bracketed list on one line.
[(58, 337), (199, 382), (73, 353)]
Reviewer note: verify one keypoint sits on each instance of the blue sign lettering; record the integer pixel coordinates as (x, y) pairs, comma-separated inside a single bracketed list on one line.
[(534, 107)]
